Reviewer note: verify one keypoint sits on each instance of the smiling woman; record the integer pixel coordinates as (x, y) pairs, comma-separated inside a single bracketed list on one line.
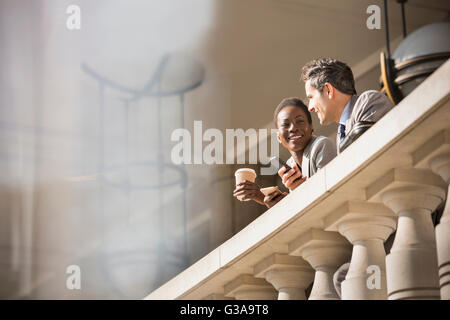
[(309, 153)]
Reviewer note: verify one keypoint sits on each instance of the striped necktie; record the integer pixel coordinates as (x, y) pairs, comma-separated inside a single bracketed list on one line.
[(341, 131)]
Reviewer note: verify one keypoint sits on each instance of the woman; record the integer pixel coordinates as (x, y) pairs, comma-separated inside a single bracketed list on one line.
[(309, 153)]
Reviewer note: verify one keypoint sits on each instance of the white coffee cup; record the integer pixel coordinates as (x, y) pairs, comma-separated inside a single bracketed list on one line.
[(244, 174)]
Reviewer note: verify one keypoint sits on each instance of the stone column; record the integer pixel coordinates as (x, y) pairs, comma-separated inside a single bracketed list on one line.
[(247, 287), (435, 154), (288, 274), (413, 194), (367, 226), (441, 165), (325, 252)]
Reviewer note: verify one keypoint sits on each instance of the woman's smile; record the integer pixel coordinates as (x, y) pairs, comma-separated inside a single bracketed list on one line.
[(295, 137)]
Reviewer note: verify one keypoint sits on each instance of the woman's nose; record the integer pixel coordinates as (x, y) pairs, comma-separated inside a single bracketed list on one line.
[(292, 127)]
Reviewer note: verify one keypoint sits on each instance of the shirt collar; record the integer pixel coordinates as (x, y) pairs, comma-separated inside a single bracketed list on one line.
[(346, 113)]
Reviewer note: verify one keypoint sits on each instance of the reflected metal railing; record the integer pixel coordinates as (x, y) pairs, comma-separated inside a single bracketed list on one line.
[(153, 90)]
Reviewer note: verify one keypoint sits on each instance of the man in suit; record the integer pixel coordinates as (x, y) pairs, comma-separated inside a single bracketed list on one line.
[(330, 88)]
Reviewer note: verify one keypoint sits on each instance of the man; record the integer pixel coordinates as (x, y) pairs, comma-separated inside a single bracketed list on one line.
[(330, 88)]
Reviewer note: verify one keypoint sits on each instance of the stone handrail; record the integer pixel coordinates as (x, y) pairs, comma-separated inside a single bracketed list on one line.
[(390, 180)]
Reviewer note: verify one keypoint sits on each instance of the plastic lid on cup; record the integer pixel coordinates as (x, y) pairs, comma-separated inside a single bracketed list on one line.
[(245, 169)]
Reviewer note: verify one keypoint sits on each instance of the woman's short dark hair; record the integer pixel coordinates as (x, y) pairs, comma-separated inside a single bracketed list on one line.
[(294, 102), (335, 72)]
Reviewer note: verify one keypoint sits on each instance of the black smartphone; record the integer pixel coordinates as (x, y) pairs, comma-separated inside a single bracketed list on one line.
[(281, 163)]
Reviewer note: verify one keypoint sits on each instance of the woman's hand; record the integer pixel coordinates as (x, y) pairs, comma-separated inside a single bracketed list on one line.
[(249, 190), (291, 179), (273, 198)]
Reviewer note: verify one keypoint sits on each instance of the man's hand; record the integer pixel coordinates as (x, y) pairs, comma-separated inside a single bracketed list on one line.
[(291, 179), (249, 190), (273, 198)]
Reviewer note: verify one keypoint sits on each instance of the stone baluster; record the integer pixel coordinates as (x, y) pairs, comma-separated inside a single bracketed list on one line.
[(367, 226), (288, 274), (325, 252), (247, 287), (435, 154), (441, 165), (411, 266)]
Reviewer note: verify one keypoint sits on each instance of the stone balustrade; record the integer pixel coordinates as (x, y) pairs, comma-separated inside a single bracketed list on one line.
[(388, 182)]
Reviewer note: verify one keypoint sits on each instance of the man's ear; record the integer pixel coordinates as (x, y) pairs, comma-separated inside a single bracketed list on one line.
[(278, 137), (329, 90)]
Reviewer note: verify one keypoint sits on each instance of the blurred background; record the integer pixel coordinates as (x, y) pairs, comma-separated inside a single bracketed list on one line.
[(86, 117)]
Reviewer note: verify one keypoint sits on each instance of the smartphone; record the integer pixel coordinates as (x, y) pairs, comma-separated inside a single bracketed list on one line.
[(281, 163)]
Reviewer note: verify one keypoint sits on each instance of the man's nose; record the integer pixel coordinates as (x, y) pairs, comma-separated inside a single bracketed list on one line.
[(310, 108)]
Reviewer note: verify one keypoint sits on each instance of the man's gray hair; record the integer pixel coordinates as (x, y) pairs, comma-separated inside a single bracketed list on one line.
[(335, 72)]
